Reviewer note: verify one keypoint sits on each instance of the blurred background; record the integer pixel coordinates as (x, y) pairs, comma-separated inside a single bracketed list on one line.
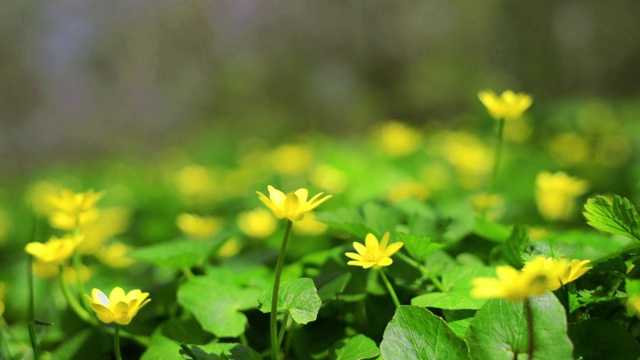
[(85, 78)]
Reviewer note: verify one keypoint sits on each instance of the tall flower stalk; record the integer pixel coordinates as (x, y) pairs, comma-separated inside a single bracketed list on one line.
[(507, 106), (292, 207)]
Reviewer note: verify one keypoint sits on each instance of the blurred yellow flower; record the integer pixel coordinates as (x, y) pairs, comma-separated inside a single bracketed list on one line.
[(489, 205), (118, 307), (199, 227), (37, 196), (71, 209), (230, 248), (115, 255), (72, 276), (3, 291), (292, 206), (373, 254), (309, 226), (570, 148), (257, 223), (556, 194), (110, 222), (398, 139), (409, 189), (55, 250), (195, 181), (567, 271), (292, 159), (472, 160), (508, 105), (45, 269), (328, 178), (633, 304)]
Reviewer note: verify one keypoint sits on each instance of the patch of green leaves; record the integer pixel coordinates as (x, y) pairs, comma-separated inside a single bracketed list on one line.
[(618, 217), (177, 254), (457, 285), (358, 347), (499, 330)]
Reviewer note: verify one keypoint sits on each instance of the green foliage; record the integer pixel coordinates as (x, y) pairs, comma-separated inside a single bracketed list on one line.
[(499, 330), (358, 347), (457, 285), (597, 338), (175, 254), (298, 297), (617, 216), (416, 333)]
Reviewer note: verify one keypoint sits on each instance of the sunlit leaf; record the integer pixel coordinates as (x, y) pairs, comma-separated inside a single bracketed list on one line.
[(218, 305), (416, 333), (618, 217), (457, 285), (358, 347), (298, 296), (499, 330), (174, 254)]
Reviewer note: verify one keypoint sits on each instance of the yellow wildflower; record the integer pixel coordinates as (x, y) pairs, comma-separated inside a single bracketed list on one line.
[(292, 159), (200, 227), (372, 253), (471, 159), (398, 139), (230, 248), (508, 105), (409, 189), (115, 255), (195, 182), (70, 209), (55, 250), (491, 205), (292, 206), (556, 194), (45, 269), (567, 271), (328, 178), (118, 307), (111, 221), (310, 226), (257, 223), (3, 291)]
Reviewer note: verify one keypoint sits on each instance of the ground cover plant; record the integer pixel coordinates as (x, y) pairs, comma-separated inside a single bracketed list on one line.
[(494, 238)]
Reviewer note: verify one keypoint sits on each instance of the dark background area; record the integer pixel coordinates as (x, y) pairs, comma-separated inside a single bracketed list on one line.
[(82, 78)]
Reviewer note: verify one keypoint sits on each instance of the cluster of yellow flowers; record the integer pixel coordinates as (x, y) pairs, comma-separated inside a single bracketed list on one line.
[(538, 276)]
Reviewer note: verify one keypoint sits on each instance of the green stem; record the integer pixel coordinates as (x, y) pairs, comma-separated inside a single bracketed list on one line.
[(423, 269), (77, 262), (532, 337), (275, 348), (390, 288), (496, 162), (283, 329), (72, 301), (4, 329), (34, 341), (116, 343), (187, 272)]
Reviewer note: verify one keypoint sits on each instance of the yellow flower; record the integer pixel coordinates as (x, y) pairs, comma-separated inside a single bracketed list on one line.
[(195, 182), (536, 277), (230, 248), (200, 227), (292, 159), (257, 223), (408, 189), (507, 106), (55, 250), (118, 307), (556, 194), (292, 206), (398, 139), (70, 209), (372, 253), (110, 222), (3, 291), (567, 271), (310, 226), (115, 255)]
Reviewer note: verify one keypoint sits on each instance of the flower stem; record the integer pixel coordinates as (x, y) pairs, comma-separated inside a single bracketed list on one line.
[(72, 301), (390, 288), (116, 343), (532, 337), (275, 345), (34, 341), (423, 269), (283, 329), (496, 162)]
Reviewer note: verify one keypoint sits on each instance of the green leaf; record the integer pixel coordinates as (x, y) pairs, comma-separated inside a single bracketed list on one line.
[(333, 286), (298, 296), (491, 230), (176, 254), (416, 333), (457, 285), (358, 347), (499, 330), (161, 348), (618, 217), (419, 247), (613, 342), (371, 218), (514, 246), (217, 304)]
